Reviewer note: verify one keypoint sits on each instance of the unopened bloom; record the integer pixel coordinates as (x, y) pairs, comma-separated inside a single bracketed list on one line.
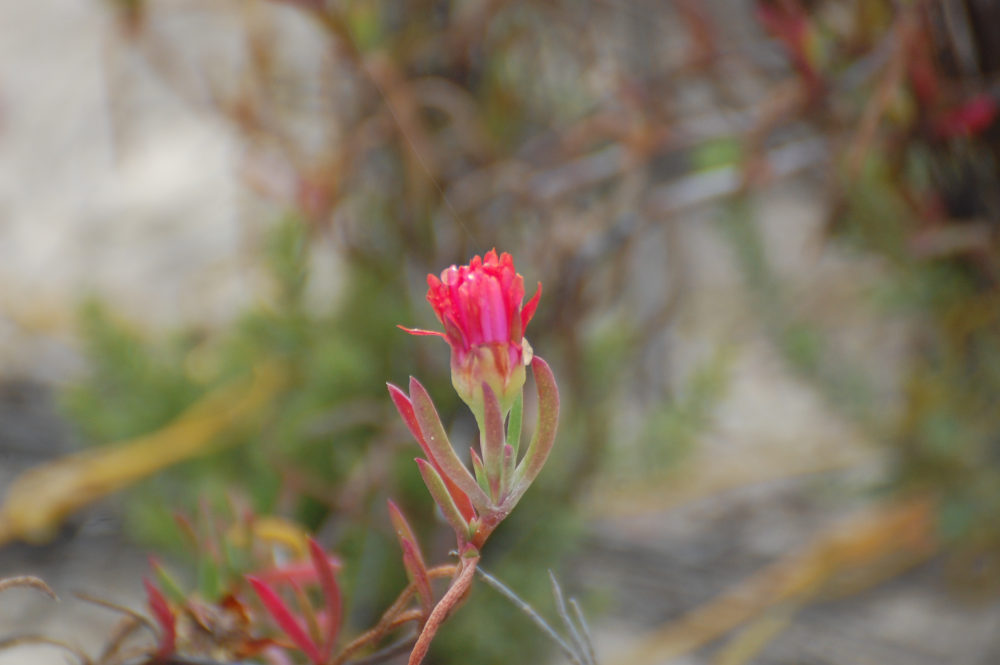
[(481, 308)]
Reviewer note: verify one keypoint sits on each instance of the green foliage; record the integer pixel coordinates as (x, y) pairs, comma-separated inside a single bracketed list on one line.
[(132, 388), (716, 153), (323, 420)]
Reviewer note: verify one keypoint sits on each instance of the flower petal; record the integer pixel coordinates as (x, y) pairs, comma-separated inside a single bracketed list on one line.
[(529, 309), (418, 331)]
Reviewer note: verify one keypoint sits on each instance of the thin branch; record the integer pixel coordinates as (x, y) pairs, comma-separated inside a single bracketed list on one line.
[(124, 630), (395, 649), (578, 643), (588, 641), (28, 581), (530, 612), (121, 609)]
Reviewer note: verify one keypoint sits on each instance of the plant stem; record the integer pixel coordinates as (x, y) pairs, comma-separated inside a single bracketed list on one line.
[(390, 616), (451, 599)]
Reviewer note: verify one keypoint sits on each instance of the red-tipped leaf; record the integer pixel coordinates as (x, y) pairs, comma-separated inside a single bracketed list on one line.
[(413, 560), (165, 619), (405, 407), (545, 431), (479, 469), (417, 572), (167, 584), (437, 441), (435, 485), (507, 470), (286, 620), (331, 593), (492, 439)]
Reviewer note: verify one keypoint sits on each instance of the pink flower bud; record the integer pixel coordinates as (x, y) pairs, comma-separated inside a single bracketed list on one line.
[(480, 307)]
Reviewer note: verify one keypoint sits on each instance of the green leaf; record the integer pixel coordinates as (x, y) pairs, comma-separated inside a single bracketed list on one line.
[(435, 485), (545, 430), (492, 438), (514, 423), (437, 442)]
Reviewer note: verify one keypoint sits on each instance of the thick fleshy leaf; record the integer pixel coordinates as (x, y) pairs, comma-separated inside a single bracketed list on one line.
[(413, 560), (437, 441), (492, 439), (405, 407), (165, 619), (506, 471), (286, 619), (307, 613), (331, 593), (514, 422), (188, 531), (479, 469), (167, 583), (417, 572), (545, 430), (404, 532), (209, 577), (435, 485)]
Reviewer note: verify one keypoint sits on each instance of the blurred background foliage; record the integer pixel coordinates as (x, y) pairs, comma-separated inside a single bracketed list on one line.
[(402, 137)]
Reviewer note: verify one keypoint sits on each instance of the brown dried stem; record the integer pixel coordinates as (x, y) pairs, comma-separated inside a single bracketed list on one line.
[(28, 581)]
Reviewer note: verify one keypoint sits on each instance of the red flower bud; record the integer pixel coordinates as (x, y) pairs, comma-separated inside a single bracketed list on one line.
[(480, 307)]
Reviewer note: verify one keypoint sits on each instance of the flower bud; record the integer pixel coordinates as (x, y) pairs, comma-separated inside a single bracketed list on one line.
[(480, 307)]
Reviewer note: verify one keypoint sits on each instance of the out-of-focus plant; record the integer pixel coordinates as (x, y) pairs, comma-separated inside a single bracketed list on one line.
[(905, 89), (286, 466), (328, 359), (403, 136), (481, 307)]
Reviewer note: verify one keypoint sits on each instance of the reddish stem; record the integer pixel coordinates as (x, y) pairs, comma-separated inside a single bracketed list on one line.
[(451, 599), (392, 617)]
